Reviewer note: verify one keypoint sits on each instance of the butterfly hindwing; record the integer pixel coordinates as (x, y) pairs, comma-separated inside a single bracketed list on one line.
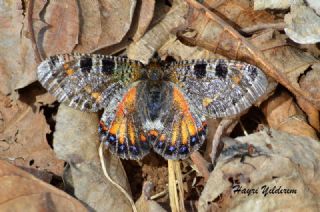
[(173, 127), (219, 87), (87, 81), (121, 127)]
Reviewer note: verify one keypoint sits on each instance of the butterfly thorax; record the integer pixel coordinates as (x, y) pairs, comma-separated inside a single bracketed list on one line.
[(154, 71)]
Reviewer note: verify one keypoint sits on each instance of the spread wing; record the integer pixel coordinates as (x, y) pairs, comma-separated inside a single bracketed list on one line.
[(87, 81), (219, 87)]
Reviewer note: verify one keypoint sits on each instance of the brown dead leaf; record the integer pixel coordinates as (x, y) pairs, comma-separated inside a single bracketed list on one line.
[(103, 23), (145, 17), (283, 114), (241, 13), (215, 34), (116, 18), (283, 165), (20, 191), (76, 141), (61, 33), (90, 26), (23, 138), (144, 49), (17, 62)]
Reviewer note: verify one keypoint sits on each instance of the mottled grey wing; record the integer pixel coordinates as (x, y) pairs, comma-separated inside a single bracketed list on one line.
[(219, 87), (87, 81)]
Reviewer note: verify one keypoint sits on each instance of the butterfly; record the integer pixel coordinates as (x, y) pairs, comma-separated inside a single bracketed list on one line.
[(161, 106)]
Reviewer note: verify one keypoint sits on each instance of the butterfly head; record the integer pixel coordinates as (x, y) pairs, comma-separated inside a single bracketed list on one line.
[(154, 71)]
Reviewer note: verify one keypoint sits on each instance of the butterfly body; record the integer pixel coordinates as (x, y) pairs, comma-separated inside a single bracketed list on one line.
[(160, 106)]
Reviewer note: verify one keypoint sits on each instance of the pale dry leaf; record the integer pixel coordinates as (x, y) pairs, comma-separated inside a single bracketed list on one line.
[(303, 25), (76, 141), (61, 35), (283, 114), (20, 191), (290, 162), (275, 4), (145, 17), (179, 51), (23, 139), (144, 49), (17, 62), (314, 4)]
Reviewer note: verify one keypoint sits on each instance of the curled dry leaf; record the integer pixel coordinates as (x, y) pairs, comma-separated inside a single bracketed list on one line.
[(61, 33), (76, 141), (284, 164), (20, 191), (17, 62), (23, 138), (144, 49), (283, 114), (303, 25)]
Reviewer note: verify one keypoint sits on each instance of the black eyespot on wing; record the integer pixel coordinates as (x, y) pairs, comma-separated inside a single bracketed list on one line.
[(134, 150), (200, 70), (122, 148), (86, 64), (221, 69), (252, 71), (170, 150), (194, 140), (108, 66), (183, 150), (54, 60)]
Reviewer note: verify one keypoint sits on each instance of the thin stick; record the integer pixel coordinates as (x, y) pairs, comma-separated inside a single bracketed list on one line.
[(106, 174), (178, 174), (258, 27), (173, 193)]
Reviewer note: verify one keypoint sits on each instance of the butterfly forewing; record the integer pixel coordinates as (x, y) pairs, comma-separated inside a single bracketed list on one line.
[(219, 87), (87, 82)]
